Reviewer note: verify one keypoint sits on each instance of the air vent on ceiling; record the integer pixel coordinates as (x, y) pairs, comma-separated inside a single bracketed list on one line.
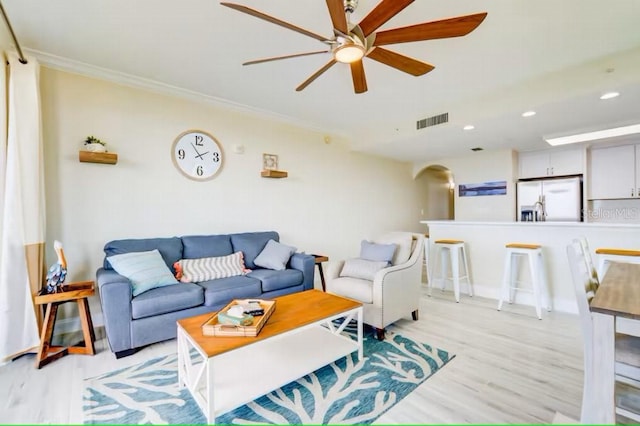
[(432, 121)]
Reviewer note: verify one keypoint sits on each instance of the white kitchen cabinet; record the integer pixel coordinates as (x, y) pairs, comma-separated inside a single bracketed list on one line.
[(550, 163), (614, 172)]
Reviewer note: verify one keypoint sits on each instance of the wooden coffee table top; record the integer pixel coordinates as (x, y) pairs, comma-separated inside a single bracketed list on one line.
[(292, 311)]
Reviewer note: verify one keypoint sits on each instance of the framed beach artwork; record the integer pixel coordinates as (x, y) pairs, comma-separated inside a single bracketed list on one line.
[(498, 187)]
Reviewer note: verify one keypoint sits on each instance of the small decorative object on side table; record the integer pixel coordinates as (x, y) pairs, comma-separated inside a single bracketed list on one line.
[(319, 259), (78, 292)]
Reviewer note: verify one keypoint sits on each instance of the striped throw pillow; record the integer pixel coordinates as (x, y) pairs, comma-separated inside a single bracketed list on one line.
[(210, 268)]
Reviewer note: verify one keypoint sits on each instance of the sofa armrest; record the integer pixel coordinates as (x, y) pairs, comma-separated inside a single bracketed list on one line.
[(305, 263), (115, 299)]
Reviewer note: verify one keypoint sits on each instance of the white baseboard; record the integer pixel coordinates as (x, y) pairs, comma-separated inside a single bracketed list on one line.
[(523, 298)]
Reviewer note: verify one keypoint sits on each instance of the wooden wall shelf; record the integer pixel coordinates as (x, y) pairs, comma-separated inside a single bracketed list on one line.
[(274, 174), (98, 157)]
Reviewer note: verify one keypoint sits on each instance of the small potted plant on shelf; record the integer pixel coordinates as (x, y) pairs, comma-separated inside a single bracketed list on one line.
[(93, 144)]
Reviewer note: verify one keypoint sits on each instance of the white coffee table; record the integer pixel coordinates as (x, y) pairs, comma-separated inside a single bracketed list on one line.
[(301, 336)]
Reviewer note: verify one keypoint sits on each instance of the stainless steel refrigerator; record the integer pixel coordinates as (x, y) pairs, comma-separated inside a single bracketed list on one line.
[(554, 199)]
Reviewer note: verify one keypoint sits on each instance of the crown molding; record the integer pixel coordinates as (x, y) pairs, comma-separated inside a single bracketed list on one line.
[(88, 70)]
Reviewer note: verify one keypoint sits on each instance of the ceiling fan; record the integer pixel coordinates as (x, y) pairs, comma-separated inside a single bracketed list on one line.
[(352, 42)]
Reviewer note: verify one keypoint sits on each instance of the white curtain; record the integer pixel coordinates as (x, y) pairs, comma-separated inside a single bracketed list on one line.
[(22, 213)]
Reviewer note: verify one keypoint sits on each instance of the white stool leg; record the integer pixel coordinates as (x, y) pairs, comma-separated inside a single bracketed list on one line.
[(543, 280), (466, 270), (455, 271), (504, 292), (426, 262), (445, 253), (535, 282), (515, 268)]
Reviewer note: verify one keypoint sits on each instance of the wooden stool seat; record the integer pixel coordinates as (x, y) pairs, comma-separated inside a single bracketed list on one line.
[(618, 252), (523, 246), (78, 292), (606, 255), (448, 242)]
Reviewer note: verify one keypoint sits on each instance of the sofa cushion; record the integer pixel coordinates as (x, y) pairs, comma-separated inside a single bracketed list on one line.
[(362, 268), (145, 269), (275, 280), (404, 241), (353, 288), (274, 256), (210, 268), (224, 290), (251, 244), (166, 299), (170, 248), (198, 246)]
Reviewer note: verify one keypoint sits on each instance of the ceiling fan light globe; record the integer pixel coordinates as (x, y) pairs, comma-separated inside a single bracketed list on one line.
[(348, 53)]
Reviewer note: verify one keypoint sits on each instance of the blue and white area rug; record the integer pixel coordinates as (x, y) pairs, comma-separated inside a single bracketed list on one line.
[(346, 391)]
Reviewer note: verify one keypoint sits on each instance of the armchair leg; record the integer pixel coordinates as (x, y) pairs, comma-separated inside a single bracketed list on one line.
[(379, 333), (414, 315)]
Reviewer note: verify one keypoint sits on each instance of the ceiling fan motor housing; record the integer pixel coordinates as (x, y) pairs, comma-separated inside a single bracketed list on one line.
[(350, 5)]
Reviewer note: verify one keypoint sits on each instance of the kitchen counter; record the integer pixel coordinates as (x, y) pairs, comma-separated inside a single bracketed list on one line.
[(485, 248)]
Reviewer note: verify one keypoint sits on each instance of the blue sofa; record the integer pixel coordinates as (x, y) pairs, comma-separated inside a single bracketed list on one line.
[(132, 322)]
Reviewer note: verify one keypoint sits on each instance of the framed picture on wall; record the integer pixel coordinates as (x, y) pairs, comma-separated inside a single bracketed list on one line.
[(485, 188)]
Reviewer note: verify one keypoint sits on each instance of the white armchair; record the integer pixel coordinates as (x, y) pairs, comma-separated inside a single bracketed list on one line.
[(394, 291)]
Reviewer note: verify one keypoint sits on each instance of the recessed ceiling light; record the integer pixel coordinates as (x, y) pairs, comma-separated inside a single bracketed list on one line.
[(468, 127), (610, 95), (529, 114)]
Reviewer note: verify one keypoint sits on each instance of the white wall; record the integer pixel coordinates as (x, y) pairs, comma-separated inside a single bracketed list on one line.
[(332, 199), (477, 168)]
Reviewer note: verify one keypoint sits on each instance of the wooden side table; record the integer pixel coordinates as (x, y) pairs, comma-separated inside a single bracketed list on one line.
[(78, 292), (319, 259)]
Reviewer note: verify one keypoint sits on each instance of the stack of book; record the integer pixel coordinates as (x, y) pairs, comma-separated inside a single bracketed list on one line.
[(252, 307)]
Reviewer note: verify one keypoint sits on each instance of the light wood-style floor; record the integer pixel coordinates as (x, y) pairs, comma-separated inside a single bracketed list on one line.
[(509, 367)]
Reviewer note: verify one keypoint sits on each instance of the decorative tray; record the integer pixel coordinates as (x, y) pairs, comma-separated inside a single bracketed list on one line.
[(213, 328)]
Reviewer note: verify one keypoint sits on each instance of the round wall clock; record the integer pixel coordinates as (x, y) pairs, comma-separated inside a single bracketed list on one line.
[(197, 155)]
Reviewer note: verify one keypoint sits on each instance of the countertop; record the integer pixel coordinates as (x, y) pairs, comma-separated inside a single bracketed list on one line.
[(545, 224)]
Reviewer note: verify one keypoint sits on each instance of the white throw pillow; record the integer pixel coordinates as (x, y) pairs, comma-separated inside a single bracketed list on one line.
[(362, 268), (210, 268)]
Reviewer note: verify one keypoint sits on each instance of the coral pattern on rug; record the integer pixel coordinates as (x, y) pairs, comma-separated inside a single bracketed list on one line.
[(348, 391)]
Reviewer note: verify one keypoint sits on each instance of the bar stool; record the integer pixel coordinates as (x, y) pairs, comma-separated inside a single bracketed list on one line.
[(456, 250), (538, 276), (606, 255)]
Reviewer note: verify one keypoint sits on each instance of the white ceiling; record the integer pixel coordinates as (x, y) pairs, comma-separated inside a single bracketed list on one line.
[(553, 56)]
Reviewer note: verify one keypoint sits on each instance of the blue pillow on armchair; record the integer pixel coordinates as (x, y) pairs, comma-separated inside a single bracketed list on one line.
[(377, 252)]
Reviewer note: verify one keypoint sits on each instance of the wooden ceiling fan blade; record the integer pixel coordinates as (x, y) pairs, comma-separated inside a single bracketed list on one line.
[(359, 79), (338, 17), (380, 14), (258, 14), (316, 75), (277, 58), (400, 62), (446, 28)]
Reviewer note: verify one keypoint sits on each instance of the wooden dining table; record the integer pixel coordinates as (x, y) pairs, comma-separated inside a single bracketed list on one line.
[(615, 309)]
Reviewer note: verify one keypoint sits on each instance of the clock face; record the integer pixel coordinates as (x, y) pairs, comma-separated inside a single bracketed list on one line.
[(197, 155)]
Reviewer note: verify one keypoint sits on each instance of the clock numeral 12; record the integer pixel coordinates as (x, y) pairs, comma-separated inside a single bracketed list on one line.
[(199, 140)]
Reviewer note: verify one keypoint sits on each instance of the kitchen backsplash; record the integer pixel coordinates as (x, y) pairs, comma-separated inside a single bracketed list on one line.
[(613, 211)]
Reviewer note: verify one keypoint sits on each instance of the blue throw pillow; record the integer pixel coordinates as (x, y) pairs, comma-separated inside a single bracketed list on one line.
[(274, 256), (145, 269), (377, 252)]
